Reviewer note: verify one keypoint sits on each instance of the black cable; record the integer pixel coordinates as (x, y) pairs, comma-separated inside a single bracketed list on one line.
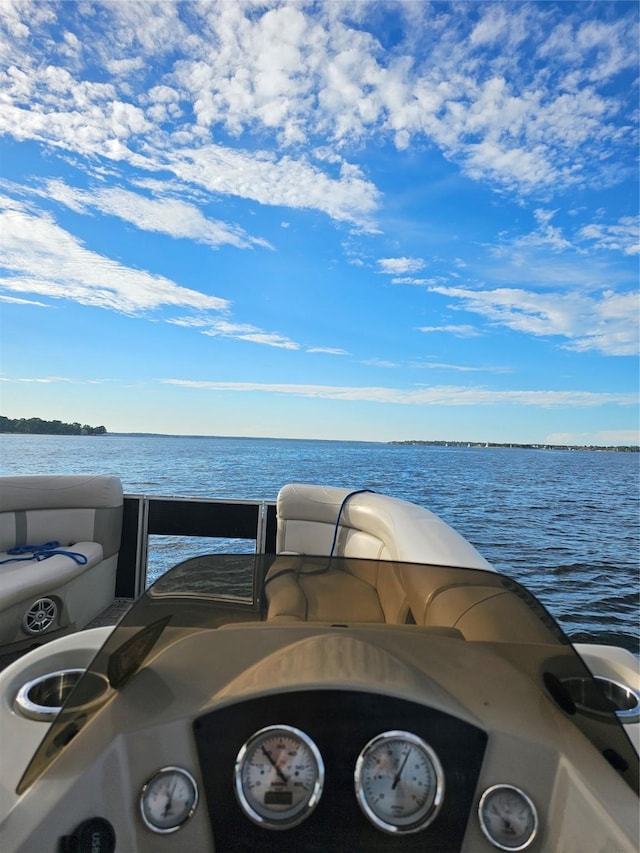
[(342, 505), (326, 568)]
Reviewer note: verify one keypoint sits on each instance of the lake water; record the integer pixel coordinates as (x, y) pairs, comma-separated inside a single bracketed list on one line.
[(565, 523)]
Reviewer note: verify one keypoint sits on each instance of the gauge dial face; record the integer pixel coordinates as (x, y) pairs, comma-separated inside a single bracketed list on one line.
[(508, 817), (168, 799), (399, 782), (279, 774)]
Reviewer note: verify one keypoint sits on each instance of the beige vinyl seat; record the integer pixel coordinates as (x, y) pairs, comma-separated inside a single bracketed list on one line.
[(367, 526), (481, 610), (44, 598)]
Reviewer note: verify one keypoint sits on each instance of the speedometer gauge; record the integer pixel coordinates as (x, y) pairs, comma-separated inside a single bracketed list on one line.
[(279, 774), (399, 782)]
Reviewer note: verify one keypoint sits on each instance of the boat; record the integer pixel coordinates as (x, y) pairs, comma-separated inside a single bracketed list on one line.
[(359, 679)]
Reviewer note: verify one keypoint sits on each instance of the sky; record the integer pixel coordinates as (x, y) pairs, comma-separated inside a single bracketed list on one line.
[(364, 220)]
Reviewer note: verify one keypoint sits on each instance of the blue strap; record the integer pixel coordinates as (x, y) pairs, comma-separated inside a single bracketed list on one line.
[(42, 552)]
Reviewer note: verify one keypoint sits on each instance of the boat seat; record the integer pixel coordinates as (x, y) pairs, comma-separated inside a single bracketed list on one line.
[(367, 529), (42, 598), (480, 611), (298, 593)]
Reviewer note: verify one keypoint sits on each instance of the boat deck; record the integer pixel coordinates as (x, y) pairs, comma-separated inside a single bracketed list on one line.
[(112, 614)]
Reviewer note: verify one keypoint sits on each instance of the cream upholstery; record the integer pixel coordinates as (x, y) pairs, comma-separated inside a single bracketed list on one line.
[(372, 527), (301, 595), (83, 513), (479, 611), (488, 614)]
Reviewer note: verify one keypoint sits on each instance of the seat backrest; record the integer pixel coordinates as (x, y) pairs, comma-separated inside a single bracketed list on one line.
[(487, 613), (63, 508), (371, 526)]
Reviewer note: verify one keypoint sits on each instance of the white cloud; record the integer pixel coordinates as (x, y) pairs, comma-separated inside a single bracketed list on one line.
[(124, 67), (19, 18), (41, 380), (621, 237), (268, 179), (418, 282), (460, 331), (267, 338), (460, 368), (167, 215), (593, 50), (518, 95), (545, 236), (380, 362), (146, 29), (45, 259), (14, 300), (491, 27), (397, 266), (328, 350), (126, 121), (445, 395), (213, 328), (607, 323)]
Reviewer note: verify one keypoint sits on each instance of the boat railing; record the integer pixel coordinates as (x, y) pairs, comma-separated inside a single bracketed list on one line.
[(146, 516)]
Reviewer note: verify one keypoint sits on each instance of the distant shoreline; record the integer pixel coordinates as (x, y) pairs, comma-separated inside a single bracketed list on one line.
[(619, 448), (38, 426), (506, 445)]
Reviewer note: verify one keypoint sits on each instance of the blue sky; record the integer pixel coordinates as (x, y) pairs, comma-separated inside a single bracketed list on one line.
[(377, 221)]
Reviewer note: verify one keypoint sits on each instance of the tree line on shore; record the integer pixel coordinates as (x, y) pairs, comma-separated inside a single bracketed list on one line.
[(622, 448), (36, 426)]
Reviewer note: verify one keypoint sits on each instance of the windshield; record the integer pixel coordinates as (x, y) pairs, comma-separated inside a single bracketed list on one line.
[(472, 605)]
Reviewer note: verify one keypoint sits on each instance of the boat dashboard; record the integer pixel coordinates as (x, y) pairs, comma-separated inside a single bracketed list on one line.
[(337, 769), (197, 726)]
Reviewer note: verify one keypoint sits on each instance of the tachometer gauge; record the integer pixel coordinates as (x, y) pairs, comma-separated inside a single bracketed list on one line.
[(168, 799), (279, 774), (508, 818), (399, 782)]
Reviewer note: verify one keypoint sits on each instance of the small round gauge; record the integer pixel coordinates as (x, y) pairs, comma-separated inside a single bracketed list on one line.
[(279, 774), (508, 817), (399, 782), (168, 799)]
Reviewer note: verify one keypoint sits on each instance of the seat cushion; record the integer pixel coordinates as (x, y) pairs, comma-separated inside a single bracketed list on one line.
[(331, 596), (337, 596), (30, 578)]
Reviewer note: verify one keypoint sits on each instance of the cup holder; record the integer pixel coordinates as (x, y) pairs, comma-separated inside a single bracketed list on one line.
[(42, 698), (611, 696)]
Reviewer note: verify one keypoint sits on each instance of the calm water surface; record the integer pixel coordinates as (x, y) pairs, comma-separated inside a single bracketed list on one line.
[(565, 523)]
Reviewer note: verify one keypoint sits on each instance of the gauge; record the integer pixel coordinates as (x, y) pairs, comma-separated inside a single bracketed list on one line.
[(508, 817), (399, 782), (168, 799), (279, 774)]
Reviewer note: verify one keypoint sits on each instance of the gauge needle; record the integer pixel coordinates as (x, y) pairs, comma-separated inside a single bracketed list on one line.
[(396, 778), (274, 765), (169, 802)]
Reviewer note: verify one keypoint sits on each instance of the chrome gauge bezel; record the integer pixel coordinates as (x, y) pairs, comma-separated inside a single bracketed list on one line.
[(418, 818), (168, 778), (247, 763), (530, 813)]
